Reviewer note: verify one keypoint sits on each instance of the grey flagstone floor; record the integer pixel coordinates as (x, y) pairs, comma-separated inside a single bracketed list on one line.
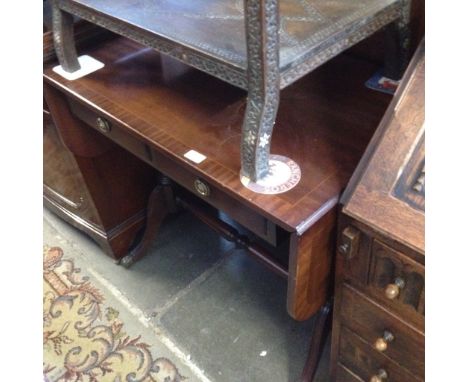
[(219, 313)]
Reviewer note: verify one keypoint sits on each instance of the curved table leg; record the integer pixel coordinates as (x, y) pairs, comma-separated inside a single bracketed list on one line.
[(261, 23), (64, 41), (160, 204), (320, 331)]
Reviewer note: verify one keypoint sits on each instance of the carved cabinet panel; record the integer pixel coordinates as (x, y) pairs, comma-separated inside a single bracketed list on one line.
[(97, 187), (62, 180), (397, 281)]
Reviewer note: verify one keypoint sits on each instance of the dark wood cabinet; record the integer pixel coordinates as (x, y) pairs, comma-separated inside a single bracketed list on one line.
[(378, 324), (99, 188), (89, 181), (63, 184)]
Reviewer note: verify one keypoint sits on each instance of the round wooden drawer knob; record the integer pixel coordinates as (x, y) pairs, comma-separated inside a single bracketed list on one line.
[(392, 291), (381, 376), (202, 188), (103, 125), (381, 344)]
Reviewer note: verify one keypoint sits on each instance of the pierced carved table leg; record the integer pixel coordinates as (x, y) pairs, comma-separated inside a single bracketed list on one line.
[(320, 331), (262, 22), (161, 203), (64, 41), (398, 44)]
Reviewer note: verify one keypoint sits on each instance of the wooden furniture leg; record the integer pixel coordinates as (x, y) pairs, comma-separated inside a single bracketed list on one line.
[(310, 260), (231, 234), (261, 23), (160, 204), (322, 326)]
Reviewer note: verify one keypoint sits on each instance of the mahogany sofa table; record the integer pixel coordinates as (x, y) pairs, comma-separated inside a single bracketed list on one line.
[(159, 110)]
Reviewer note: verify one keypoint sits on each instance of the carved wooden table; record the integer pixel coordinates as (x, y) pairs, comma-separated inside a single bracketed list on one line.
[(261, 46), (160, 112), (378, 325)]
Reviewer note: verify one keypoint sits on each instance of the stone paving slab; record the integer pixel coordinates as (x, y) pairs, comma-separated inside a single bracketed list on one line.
[(134, 324), (236, 328), (217, 309), (184, 249)]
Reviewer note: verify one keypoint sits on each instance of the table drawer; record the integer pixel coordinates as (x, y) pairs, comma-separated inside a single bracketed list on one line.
[(384, 331), (345, 375), (361, 359), (256, 223)]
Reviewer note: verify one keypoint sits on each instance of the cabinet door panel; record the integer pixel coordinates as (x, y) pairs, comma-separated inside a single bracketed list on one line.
[(62, 179)]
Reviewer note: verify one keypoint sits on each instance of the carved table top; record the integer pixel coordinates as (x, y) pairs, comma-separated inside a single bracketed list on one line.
[(210, 34)]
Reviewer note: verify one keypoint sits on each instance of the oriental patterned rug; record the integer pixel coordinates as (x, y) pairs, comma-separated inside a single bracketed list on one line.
[(84, 340)]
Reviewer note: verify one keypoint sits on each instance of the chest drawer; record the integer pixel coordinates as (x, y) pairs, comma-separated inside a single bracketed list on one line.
[(256, 223), (345, 375), (397, 281), (385, 332), (361, 359), (389, 276)]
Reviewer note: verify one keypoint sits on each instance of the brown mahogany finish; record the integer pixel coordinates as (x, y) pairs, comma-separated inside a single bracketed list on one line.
[(63, 183), (158, 110), (324, 123), (79, 186), (91, 182), (160, 204), (378, 326), (384, 182)]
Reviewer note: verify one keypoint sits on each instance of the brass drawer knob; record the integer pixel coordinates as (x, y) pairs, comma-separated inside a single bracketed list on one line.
[(381, 344), (103, 125), (202, 188), (381, 376), (392, 291)]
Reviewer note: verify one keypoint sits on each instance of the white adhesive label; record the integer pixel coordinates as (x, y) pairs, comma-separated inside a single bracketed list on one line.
[(195, 156)]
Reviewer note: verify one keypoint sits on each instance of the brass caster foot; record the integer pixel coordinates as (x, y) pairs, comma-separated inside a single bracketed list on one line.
[(127, 261)]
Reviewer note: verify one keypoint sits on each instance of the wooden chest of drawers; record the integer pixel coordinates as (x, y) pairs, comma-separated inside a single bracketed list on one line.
[(378, 324), (379, 309)]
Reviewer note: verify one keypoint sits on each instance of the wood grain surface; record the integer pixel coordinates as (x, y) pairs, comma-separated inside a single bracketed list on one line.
[(324, 123), (370, 195), (81, 164), (379, 320)]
